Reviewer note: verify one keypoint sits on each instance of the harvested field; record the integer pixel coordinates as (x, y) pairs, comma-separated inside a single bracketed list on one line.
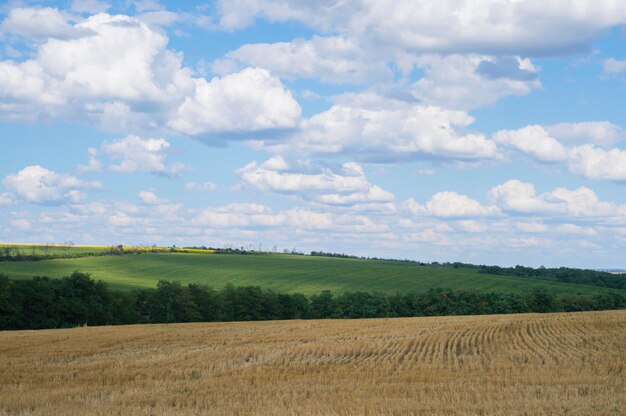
[(565, 364)]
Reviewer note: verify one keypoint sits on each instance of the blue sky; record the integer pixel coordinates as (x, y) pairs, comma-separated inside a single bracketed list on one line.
[(487, 131)]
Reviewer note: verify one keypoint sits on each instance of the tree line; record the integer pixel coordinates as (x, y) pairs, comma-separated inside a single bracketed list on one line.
[(561, 274), (79, 300), (46, 252)]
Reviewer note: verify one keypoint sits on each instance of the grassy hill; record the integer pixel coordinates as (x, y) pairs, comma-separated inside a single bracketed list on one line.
[(282, 273)]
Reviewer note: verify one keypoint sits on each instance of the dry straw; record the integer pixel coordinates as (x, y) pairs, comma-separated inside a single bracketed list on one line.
[(554, 364)]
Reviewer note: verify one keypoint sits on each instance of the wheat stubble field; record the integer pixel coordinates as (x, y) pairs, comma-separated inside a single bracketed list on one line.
[(565, 364)]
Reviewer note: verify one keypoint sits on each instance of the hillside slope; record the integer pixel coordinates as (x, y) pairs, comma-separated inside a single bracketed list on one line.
[(282, 273)]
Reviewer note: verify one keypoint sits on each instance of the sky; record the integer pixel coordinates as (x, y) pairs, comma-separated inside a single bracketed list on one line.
[(481, 131)]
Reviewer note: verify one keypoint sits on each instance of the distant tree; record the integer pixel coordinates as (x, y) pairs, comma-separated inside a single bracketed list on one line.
[(324, 305), (9, 310), (540, 300)]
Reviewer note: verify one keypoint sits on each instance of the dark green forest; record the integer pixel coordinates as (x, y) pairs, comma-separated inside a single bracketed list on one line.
[(79, 300)]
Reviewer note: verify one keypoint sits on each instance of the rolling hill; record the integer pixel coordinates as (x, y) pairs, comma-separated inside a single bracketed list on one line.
[(282, 273)]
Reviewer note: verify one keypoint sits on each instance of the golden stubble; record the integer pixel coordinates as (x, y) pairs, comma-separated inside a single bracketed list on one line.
[(565, 364)]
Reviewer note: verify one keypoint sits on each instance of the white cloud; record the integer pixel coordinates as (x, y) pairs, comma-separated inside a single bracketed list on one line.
[(94, 164), (121, 220), (136, 154), (614, 66), (472, 226), (487, 26), (447, 204), (472, 81), (83, 77), (602, 133), (575, 230), (306, 219), (586, 160), (348, 187), (453, 81), (250, 100), (335, 59), (595, 163), (38, 23), (87, 79), (39, 185), (451, 204), (150, 198), (206, 186), (371, 127), (534, 141), (519, 197), (253, 215), (269, 176), (531, 227)]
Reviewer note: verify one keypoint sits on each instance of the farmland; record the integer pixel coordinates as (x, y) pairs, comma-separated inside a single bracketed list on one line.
[(282, 273), (526, 364)]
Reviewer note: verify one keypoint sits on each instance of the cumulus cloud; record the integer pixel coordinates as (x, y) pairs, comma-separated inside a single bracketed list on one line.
[(534, 141), (347, 187), (150, 198), (94, 164), (595, 163), (519, 197), (250, 100), (451, 204), (334, 59), (448, 204), (136, 154), (41, 186), (587, 160), (87, 78), (89, 74), (601, 133), (491, 26), (472, 81), (457, 81), (374, 128)]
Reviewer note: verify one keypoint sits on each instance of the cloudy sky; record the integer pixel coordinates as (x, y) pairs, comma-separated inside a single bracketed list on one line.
[(488, 131)]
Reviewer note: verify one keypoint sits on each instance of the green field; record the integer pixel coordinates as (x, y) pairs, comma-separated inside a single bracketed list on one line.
[(282, 273)]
